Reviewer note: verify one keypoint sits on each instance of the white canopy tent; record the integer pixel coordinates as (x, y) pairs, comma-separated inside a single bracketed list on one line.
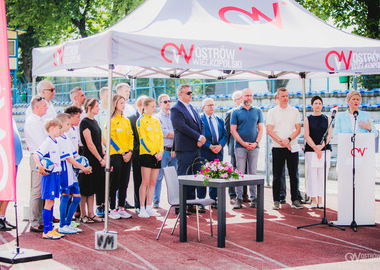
[(224, 39), (201, 38)]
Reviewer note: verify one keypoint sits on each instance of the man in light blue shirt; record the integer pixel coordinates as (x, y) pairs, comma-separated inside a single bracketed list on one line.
[(169, 158)]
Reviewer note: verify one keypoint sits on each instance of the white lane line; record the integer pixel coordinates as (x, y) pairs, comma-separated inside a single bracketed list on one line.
[(250, 251), (134, 254), (103, 253), (331, 237), (312, 240)]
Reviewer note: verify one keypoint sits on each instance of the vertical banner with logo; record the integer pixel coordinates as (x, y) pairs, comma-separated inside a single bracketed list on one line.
[(7, 156)]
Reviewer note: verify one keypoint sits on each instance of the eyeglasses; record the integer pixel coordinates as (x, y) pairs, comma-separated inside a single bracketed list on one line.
[(165, 101), (40, 98), (51, 89), (189, 93)]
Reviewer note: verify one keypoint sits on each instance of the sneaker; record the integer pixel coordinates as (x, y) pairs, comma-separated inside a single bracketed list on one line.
[(238, 204), (50, 235), (123, 214), (233, 201), (320, 205), (276, 205), (314, 205), (143, 214), (253, 203), (283, 201), (114, 214), (137, 211), (153, 213), (127, 205), (156, 204), (296, 204), (100, 211), (66, 230), (77, 230), (58, 234), (74, 224)]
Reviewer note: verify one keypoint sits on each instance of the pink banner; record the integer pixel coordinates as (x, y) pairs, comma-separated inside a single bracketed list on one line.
[(7, 155)]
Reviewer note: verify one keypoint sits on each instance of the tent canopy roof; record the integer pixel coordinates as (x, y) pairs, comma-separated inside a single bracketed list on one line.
[(214, 39)]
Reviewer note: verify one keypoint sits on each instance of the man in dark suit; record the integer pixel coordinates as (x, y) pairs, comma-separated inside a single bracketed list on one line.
[(216, 139), (188, 135), (136, 165)]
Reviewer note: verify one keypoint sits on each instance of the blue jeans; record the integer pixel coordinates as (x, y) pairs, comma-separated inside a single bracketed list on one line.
[(166, 161)]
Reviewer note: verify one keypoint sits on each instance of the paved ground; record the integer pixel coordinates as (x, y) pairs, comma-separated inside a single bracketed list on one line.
[(284, 246)]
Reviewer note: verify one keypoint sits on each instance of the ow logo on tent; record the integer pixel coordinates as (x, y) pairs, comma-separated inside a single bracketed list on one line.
[(358, 150), (177, 52), (58, 56), (254, 15), (337, 60)]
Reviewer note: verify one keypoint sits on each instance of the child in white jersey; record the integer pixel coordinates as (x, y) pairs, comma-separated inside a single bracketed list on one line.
[(50, 182), (69, 181)]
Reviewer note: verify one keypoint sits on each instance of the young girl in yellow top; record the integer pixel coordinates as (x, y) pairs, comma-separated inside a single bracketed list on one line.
[(151, 151), (121, 153)]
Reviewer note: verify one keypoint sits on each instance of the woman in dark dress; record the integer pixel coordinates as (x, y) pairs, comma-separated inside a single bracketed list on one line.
[(315, 126), (90, 184)]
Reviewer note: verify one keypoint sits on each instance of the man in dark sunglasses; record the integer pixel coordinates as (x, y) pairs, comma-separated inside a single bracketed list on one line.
[(188, 135), (46, 90)]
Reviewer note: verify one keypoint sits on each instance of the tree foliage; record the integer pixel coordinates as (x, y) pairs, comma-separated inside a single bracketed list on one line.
[(50, 22), (362, 15)]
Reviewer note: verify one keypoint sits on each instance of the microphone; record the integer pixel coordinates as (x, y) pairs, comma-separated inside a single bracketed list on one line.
[(334, 110), (355, 113)]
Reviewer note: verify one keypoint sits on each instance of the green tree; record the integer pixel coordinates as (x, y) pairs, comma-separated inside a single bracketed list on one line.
[(50, 22), (362, 15)]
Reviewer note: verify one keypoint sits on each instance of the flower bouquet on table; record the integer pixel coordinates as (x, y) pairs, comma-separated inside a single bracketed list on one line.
[(219, 170)]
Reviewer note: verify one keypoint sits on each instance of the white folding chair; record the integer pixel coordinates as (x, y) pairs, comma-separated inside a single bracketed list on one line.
[(173, 199)]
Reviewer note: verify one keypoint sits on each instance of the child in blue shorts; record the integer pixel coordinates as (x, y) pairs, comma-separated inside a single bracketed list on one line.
[(50, 182), (69, 181)]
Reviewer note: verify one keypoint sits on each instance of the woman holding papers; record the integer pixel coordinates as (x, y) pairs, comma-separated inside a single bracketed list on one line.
[(315, 126)]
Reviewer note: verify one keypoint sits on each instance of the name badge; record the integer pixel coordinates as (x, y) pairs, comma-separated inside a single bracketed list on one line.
[(119, 129), (148, 128)]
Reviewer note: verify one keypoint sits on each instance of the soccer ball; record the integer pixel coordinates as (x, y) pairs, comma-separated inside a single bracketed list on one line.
[(48, 164), (83, 161)]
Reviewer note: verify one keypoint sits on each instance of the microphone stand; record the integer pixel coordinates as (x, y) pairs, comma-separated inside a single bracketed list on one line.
[(324, 219), (353, 225)]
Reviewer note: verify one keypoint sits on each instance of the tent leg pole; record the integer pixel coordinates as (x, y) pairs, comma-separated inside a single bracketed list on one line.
[(304, 117), (108, 161)]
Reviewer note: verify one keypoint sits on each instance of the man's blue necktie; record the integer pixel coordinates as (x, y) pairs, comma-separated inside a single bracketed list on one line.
[(213, 133)]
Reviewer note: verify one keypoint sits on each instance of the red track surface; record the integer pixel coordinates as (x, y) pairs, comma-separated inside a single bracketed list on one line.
[(284, 245)]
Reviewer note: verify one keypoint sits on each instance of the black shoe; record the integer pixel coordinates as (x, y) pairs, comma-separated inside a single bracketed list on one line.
[(177, 212), (37, 229), (191, 209), (4, 226), (282, 201), (214, 206), (246, 199), (128, 206), (201, 209), (10, 225), (55, 220)]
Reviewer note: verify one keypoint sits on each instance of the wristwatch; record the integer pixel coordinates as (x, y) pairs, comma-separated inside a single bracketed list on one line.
[(290, 139)]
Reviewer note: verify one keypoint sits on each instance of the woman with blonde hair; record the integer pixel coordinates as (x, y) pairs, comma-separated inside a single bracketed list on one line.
[(151, 151), (121, 153), (344, 122)]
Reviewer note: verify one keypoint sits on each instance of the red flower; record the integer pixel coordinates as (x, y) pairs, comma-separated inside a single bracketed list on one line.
[(216, 160), (207, 170), (229, 170)]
